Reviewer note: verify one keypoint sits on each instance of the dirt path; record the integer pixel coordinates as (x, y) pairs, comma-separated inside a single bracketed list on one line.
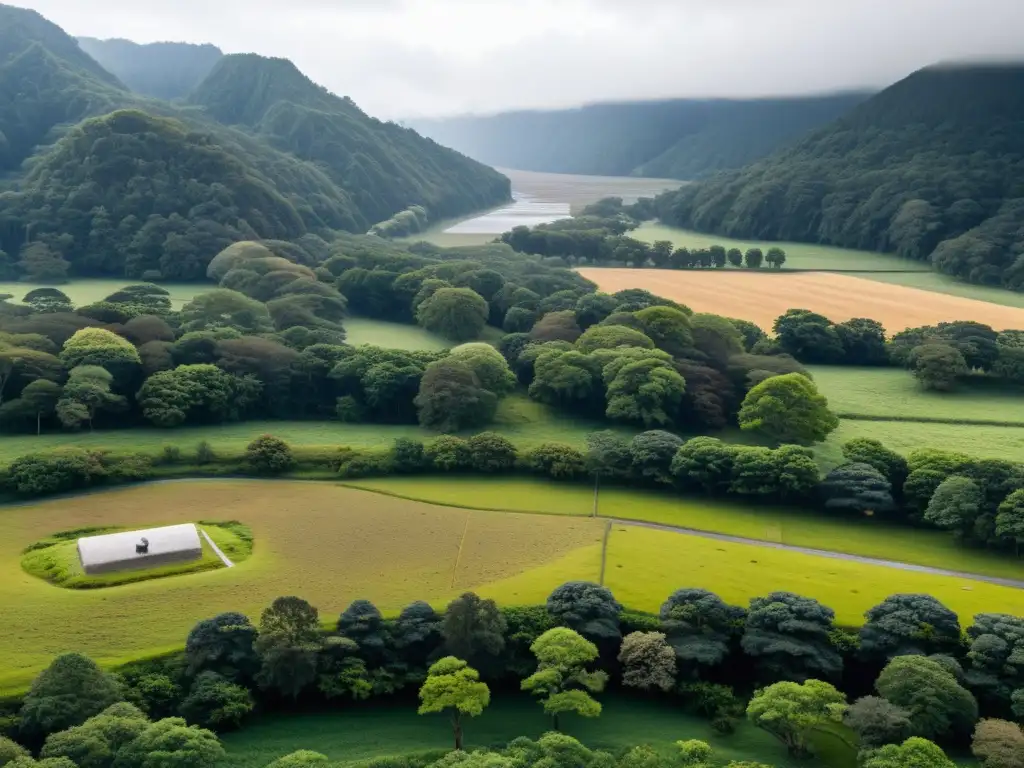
[(1013, 583)]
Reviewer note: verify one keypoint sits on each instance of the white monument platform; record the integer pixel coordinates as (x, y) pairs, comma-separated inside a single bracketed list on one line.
[(134, 550)]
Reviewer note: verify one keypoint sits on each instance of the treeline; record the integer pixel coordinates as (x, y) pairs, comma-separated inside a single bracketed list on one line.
[(781, 661), (598, 236), (145, 186), (929, 169), (412, 220)]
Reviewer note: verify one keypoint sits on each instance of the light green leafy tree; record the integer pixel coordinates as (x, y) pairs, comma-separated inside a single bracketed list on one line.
[(788, 409), (787, 710), (562, 681), (915, 752), (453, 686)]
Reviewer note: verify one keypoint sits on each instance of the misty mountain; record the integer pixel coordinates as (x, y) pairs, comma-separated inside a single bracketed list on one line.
[(116, 183), (162, 70), (932, 168), (680, 138)]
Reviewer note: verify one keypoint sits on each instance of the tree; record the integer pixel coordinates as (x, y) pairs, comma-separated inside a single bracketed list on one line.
[(909, 624), (97, 742), (648, 661), (200, 392), (996, 643), (1009, 521), (788, 409), (451, 397), (652, 453), (96, 346), (694, 753), (877, 721), (556, 326), (555, 460), (668, 328), (40, 264), (864, 450), (562, 681), (171, 743), (808, 336), (38, 400), (788, 635), (937, 704), (775, 257), (716, 337), (592, 308), (417, 634), (857, 488), (489, 366), (86, 393), (863, 342), (753, 258), (611, 337), (789, 710), (454, 686), (474, 629), (287, 646), (458, 314), (701, 627), (223, 308), (587, 608), (646, 391), (937, 366), (68, 692), (998, 744), (363, 623), (10, 751), (45, 300), (269, 455), (915, 752), (301, 758), (223, 644), (955, 505), (735, 257), (704, 463)]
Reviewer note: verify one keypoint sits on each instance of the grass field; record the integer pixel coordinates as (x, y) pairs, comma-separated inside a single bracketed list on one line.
[(762, 296), (89, 290), (380, 333), (983, 442), (331, 545), (326, 543), (373, 730), (798, 255), (894, 393), (523, 421), (856, 536), (933, 281)]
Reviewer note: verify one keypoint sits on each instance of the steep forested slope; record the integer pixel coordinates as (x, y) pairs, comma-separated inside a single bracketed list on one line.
[(162, 70), (932, 167), (387, 167), (679, 138), (144, 186)]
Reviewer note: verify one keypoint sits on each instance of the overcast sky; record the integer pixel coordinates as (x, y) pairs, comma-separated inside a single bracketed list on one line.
[(407, 58)]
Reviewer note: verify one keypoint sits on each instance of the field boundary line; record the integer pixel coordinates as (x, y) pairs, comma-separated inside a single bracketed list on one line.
[(462, 543), (217, 551), (932, 420)]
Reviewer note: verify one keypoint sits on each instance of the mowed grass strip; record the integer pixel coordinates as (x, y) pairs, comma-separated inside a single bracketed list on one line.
[(523, 421), (374, 729), (933, 281), (798, 255), (849, 535), (760, 296), (327, 544), (644, 566), (894, 393)]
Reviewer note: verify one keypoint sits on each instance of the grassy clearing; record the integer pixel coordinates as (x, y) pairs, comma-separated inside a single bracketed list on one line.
[(645, 565), (798, 255), (894, 393), (89, 290), (523, 421), (983, 442), (381, 333), (55, 559), (326, 543), (933, 281), (761, 296), (374, 730), (855, 536)]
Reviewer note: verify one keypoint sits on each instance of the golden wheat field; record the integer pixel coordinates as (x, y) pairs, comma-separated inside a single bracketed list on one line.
[(762, 297), (327, 544)]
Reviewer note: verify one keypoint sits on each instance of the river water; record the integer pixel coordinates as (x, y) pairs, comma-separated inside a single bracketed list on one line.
[(526, 211)]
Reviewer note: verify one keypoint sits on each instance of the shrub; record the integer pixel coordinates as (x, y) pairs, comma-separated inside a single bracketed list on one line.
[(170, 454), (490, 452), (556, 460), (407, 456), (357, 464), (449, 453), (9, 751), (134, 466), (67, 469), (205, 453), (269, 455), (217, 703)]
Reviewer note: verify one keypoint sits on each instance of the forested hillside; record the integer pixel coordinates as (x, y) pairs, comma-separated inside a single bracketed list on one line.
[(387, 167), (932, 168), (678, 139), (162, 70), (146, 187)]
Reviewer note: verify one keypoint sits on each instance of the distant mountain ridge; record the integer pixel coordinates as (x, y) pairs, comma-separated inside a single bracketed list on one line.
[(118, 183), (676, 138), (161, 70), (931, 168)]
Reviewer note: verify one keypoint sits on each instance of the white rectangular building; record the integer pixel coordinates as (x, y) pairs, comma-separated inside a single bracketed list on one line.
[(134, 550)]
